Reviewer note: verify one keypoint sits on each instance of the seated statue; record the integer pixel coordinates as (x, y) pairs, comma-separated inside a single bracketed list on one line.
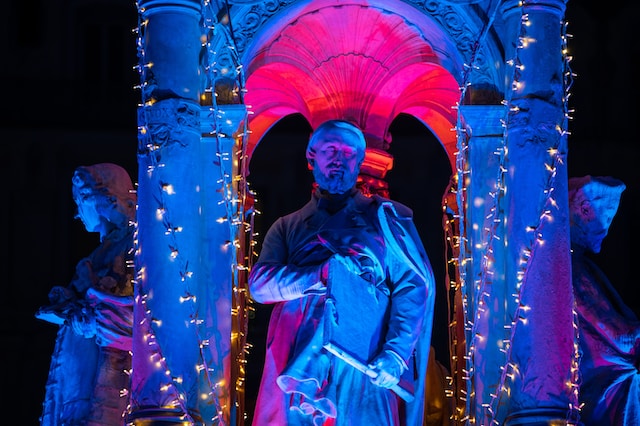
[(609, 330), (89, 372)]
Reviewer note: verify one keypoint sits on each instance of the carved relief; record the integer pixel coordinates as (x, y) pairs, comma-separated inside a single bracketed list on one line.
[(165, 123), (534, 121), (456, 22), (455, 17), (248, 23)]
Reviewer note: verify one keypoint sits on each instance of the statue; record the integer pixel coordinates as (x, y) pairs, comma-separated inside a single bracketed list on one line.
[(89, 372), (309, 264), (609, 331)]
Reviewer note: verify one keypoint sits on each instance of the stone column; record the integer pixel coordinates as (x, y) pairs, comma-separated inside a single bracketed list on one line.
[(224, 294), (184, 252), (520, 359), (537, 385), (485, 291)]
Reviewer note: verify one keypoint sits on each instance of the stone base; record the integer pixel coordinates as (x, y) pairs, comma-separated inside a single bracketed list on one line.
[(157, 416), (540, 417)]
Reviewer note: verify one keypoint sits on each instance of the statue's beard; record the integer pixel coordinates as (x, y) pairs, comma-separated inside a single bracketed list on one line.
[(337, 181)]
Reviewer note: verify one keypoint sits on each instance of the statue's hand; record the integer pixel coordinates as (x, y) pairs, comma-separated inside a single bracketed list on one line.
[(62, 304), (361, 264), (82, 320), (113, 319), (319, 287), (58, 295), (386, 369), (356, 256)]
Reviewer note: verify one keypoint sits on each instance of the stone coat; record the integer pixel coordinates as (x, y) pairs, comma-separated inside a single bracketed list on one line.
[(302, 383)]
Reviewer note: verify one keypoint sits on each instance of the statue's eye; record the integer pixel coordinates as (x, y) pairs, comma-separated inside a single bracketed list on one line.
[(330, 151), (348, 152)]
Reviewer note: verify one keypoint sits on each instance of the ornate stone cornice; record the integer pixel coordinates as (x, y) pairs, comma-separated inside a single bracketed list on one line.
[(459, 18)]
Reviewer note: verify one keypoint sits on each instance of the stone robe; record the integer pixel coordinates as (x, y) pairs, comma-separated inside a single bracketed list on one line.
[(87, 382), (303, 384), (610, 345)]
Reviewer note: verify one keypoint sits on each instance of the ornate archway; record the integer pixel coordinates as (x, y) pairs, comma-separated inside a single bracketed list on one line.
[(369, 62), (366, 61)]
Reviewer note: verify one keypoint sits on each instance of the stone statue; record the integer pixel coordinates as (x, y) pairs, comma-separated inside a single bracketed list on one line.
[(609, 331), (375, 242), (89, 372)]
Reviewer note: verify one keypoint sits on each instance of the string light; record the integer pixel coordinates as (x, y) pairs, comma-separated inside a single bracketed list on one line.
[(172, 231), (233, 185)]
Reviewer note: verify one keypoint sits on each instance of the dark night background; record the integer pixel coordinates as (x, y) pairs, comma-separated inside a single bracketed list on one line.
[(69, 101)]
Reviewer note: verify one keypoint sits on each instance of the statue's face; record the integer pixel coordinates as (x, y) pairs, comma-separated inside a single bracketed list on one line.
[(88, 213), (336, 163)]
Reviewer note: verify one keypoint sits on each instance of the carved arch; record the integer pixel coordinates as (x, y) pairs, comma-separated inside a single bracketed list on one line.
[(366, 61)]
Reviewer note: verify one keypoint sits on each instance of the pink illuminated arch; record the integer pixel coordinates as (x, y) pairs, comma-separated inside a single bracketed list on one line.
[(364, 61)]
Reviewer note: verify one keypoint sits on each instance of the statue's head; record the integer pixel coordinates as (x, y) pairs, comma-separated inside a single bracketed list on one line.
[(104, 195), (593, 202), (335, 153)]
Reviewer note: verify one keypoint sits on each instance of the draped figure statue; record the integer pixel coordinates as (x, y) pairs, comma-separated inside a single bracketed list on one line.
[(89, 372), (609, 331)]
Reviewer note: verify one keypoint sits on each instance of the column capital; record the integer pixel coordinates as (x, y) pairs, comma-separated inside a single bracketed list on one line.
[(149, 6), (227, 121), (554, 6)]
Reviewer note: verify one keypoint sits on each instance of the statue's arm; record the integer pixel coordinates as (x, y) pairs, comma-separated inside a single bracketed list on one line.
[(273, 279)]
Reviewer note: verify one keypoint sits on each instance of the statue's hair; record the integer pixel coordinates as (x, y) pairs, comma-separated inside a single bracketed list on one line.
[(593, 185), (113, 189), (347, 128)]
